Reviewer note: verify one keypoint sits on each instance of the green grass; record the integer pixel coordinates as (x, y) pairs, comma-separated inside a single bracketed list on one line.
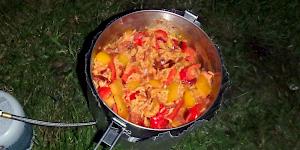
[(40, 40)]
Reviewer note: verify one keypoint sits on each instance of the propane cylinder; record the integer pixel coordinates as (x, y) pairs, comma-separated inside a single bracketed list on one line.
[(14, 135)]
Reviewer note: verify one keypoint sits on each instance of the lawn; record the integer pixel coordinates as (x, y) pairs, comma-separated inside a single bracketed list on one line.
[(259, 40)]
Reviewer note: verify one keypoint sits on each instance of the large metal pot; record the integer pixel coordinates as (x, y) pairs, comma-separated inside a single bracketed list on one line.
[(184, 23)]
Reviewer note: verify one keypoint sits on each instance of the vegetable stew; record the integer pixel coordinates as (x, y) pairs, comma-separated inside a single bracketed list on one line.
[(152, 78)]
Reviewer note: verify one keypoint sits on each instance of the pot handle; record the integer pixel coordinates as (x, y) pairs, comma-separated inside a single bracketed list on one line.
[(112, 134), (192, 18)]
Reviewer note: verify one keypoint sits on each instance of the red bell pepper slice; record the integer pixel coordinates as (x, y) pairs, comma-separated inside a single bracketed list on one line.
[(141, 123), (191, 75), (191, 54), (171, 76), (175, 43), (104, 92), (126, 75), (100, 77), (185, 77), (115, 108), (187, 74), (158, 122), (161, 35), (189, 51), (136, 118), (157, 44), (138, 38), (112, 68), (162, 110), (175, 111), (194, 112)]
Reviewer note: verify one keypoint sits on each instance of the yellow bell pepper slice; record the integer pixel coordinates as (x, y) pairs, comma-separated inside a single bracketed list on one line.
[(109, 101), (121, 106), (173, 92), (116, 87), (132, 85), (189, 99), (203, 86), (123, 59), (155, 83), (176, 123), (102, 58)]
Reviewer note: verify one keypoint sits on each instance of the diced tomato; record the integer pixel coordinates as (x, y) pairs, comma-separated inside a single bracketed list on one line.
[(171, 76), (158, 44), (175, 43), (161, 35), (104, 92), (112, 68), (133, 95), (183, 45), (138, 38), (175, 111), (194, 112), (126, 75), (141, 123), (183, 74)]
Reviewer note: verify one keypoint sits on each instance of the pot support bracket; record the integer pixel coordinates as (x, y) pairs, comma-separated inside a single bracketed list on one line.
[(112, 134)]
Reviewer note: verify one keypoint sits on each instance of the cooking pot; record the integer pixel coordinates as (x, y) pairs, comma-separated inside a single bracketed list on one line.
[(182, 22)]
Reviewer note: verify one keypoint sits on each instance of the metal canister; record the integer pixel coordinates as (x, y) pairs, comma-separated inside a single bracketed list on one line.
[(14, 135)]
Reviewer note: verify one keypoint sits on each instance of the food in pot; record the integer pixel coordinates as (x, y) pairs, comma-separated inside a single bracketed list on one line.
[(152, 78)]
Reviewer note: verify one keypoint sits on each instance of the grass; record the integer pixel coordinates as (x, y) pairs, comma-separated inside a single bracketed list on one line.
[(40, 40)]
